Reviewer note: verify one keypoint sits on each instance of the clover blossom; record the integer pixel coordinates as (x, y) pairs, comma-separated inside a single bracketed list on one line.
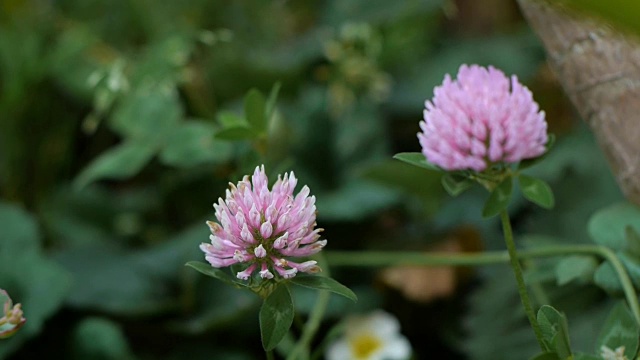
[(479, 119), (263, 228), (12, 319), (371, 337), (608, 354)]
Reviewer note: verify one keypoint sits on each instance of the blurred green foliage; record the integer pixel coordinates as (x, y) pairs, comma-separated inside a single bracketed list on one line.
[(122, 122)]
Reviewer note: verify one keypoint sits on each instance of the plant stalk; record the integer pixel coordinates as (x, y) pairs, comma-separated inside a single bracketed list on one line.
[(517, 271)]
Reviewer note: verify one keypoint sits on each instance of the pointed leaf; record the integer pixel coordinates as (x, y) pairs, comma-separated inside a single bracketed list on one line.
[(555, 330), (499, 198), (536, 191), (254, 110), (324, 283), (276, 317), (417, 159), (216, 273), (620, 329), (455, 184)]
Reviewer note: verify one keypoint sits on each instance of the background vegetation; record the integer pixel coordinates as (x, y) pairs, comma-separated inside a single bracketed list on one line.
[(122, 122)]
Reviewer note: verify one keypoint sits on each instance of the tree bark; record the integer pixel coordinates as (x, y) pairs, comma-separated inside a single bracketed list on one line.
[(599, 69)]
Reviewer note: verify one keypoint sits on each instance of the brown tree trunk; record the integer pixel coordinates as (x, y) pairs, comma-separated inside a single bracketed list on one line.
[(599, 69)]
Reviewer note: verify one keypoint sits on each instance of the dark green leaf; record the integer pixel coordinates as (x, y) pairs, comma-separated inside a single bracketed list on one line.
[(499, 198), (576, 267), (455, 184), (119, 162), (236, 133), (527, 163), (416, 159), (324, 283), (254, 111), (536, 191), (276, 317), (547, 356), (608, 226), (620, 329), (555, 331), (215, 273)]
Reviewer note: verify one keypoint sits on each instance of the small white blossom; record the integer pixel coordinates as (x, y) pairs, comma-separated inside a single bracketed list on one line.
[(371, 337), (608, 354)]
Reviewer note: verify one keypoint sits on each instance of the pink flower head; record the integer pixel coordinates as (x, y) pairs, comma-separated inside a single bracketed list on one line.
[(12, 319), (479, 119), (262, 228)]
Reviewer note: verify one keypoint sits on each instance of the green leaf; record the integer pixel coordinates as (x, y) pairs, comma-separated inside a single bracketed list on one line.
[(215, 273), (239, 132), (193, 144), (608, 226), (546, 356), (324, 283), (576, 267), (151, 115), (633, 240), (455, 184), (607, 278), (100, 338), (620, 329), (417, 159), (555, 330), (536, 191), (30, 278), (276, 317), (120, 162), (229, 119), (527, 163), (632, 264), (254, 110), (583, 356), (271, 101), (618, 12), (499, 198)]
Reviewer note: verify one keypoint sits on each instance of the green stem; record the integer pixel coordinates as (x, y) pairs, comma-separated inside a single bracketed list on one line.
[(517, 271), (269, 355), (315, 317), (398, 258)]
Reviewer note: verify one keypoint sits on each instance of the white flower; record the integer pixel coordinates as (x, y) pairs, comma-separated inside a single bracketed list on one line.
[(608, 354), (371, 337)]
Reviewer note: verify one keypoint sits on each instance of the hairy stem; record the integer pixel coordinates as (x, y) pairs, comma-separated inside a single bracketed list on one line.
[(395, 258), (315, 317), (517, 271)]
